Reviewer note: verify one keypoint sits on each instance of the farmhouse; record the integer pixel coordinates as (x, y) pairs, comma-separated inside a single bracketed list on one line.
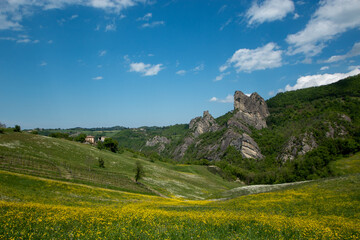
[(101, 139), (90, 139)]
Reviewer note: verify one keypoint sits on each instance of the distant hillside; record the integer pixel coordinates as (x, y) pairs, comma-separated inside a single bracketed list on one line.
[(305, 130), (292, 136), (79, 163)]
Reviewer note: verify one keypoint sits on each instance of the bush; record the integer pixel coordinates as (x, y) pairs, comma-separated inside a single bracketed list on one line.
[(111, 144), (80, 138), (139, 171), (17, 128), (59, 135), (101, 163)]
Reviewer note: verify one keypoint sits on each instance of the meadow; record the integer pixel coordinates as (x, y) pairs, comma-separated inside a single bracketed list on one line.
[(37, 207)]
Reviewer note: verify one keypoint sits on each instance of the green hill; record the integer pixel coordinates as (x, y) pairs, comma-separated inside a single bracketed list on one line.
[(76, 162), (39, 208)]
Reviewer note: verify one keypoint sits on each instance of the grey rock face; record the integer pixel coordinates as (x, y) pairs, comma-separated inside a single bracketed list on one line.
[(249, 111), (181, 149), (158, 141), (203, 124), (243, 143), (252, 110), (298, 146)]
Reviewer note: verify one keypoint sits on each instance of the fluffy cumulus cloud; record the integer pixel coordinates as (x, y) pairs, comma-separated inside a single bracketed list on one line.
[(355, 51), (331, 19), (13, 11), (248, 60), (146, 69), (229, 99), (320, 79), (269, 10)]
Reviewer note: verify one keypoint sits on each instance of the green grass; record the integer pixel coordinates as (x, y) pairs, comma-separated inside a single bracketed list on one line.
[(33, 207), (76, 162), (349, 165), (71, 206)]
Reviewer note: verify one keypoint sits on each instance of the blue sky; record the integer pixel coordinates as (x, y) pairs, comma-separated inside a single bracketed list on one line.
[(94, 63)]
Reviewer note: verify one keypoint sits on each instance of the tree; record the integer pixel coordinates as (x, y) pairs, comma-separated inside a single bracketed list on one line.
[(17, 128), (101, 163), (80, 138), (139, 171), (111, 144)]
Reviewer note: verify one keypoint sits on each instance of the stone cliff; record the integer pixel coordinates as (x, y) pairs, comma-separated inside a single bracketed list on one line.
[(248, 112), (252, 110)]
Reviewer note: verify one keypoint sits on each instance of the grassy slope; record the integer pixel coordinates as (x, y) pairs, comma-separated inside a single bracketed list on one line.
[(41, 208), (47, 209), (76, 162)]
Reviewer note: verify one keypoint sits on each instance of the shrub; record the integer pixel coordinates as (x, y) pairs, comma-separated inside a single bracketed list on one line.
[(17, 128), (139, 171), (101, 163)]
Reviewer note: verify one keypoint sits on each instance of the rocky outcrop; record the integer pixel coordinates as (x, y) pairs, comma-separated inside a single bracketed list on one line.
[(248, 111), (197, 126), (298, 146), (158, 141), (180, 150), (206, 123), (252, 110), (242, 142)]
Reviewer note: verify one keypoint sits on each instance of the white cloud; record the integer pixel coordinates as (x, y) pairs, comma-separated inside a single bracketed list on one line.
[(296, 16), (74, 16), (355, 51), (43, 64), (353, 67), (153, 24), (229, 99), (13, 11), (249, 60), (324, 68), (23, 40), (225, 24), (146, 17), (110, 27), (331, 19), (50, 41), (146, 69), (269, 10), (222, 9), (199, 68), (98, 78), (181, 72), (102, 53), (320, 79), (6, 23), (20, 39), (221, 76)]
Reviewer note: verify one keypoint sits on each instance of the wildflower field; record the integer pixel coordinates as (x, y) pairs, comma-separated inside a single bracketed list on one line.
[(53, 189), (37, 208)]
